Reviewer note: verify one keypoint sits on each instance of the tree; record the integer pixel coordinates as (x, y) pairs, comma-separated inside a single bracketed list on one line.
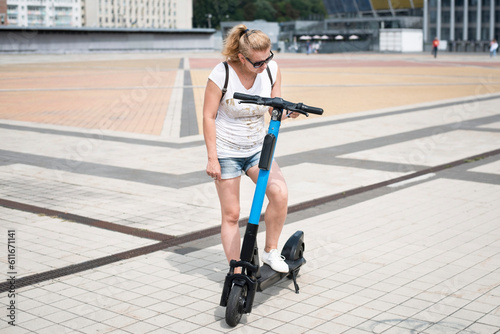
[(217, 10), (249, 10)]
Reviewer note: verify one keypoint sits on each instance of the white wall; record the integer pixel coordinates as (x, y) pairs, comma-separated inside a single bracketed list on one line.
[(401, 40), (74, 40)]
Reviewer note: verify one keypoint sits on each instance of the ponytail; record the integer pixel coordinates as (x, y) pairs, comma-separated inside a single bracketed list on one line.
[(242, 40)]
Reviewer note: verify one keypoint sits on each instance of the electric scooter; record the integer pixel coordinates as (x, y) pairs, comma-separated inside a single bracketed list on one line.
[(239, 288)]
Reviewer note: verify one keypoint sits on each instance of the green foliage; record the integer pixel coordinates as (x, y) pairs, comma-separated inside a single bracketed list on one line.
[(249, 10)]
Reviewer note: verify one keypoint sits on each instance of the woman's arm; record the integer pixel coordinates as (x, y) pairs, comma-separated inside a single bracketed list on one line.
[(276, 92), (213, 95)]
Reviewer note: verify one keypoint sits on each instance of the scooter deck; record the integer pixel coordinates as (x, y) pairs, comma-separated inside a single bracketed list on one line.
[(268, 276)]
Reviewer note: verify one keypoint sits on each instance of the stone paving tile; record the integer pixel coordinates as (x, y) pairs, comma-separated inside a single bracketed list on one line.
[(418, 256), (184, 303), (55, 243)]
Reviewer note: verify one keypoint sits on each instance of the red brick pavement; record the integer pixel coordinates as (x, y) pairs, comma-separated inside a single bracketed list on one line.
[(126, 95), (133, 95), (348, 61)]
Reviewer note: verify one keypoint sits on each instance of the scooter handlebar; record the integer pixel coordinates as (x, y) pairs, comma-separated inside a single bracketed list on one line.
[(309, 109), (246, 97), (278, 102)]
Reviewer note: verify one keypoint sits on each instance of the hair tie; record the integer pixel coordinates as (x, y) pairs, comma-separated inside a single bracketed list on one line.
[(248, 32)]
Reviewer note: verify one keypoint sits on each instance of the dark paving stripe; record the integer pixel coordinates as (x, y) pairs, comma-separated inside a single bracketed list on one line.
[(95, 134), (79, 267), (85, 220), (102, 170), (328, 155), (189, 122), (355, 118), (320, 156), (197, 235), (352, 192)]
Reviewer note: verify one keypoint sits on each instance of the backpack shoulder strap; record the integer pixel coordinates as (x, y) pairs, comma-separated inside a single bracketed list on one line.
[(270, 76), (224, 90)]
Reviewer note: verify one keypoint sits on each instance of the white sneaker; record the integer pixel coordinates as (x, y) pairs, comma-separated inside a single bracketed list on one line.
[(275, 261)]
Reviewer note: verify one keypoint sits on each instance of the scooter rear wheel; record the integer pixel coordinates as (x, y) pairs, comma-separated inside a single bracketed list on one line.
[(235, 304)]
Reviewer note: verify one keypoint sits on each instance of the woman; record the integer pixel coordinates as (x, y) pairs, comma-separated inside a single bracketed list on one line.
[(234, 133)]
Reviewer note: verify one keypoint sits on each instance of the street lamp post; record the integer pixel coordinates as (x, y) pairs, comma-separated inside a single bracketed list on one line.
[(209, 19)]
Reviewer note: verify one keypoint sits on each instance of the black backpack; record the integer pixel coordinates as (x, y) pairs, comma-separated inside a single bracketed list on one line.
[(224, 90)]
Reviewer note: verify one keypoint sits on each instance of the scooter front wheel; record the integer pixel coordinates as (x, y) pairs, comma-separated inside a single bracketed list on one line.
[(235, 304)]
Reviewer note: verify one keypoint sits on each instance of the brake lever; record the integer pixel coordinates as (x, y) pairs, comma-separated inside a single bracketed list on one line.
[(291, 110)]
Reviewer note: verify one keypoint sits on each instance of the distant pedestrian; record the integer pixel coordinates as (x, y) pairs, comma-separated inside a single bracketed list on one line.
[(435, 44), (493, 48)]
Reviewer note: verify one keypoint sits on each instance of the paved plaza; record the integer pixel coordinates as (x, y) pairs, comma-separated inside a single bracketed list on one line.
[(112, 224)]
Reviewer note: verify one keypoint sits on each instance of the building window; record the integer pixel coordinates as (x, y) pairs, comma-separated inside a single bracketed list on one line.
[(472, 34), (445, 34), (485, 17), (433, 32), (445, 17), (472, 16), (485, 34)]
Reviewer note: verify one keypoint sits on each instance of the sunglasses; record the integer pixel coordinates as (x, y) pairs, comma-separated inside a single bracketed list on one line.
[(258, 64)]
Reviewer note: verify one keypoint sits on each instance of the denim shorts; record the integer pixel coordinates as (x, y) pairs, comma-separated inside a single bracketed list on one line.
[(234, 167)]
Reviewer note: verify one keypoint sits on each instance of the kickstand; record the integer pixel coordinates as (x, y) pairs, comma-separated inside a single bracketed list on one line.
[(294, 277)]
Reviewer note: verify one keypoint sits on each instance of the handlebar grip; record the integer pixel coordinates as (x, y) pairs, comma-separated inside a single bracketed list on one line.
[(312, 110), (241, 96)]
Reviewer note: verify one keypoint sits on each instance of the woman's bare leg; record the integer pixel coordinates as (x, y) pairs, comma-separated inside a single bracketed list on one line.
[(229, 196), (276, 211)]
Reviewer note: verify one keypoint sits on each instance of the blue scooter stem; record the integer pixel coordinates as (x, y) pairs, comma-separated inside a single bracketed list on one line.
[(239, 288), (261, 186)]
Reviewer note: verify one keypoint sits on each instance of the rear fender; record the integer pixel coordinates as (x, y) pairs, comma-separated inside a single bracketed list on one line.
[(294, 247)]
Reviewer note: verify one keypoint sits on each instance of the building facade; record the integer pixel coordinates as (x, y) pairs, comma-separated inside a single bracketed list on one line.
[(3, 13), (44, 13), (156, 14), (462, 20)]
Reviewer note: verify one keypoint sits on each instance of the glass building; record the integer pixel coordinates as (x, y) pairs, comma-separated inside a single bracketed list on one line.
[(466, 25), (462, 22), (374, 8)]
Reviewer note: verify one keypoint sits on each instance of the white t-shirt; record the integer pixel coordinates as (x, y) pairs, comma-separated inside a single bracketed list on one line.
[(240, 128)]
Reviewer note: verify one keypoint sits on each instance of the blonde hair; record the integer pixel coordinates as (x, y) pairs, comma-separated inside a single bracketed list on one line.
[(242, 40)]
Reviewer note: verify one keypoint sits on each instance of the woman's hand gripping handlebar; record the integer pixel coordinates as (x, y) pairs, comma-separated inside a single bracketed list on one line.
[(278, 103)]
